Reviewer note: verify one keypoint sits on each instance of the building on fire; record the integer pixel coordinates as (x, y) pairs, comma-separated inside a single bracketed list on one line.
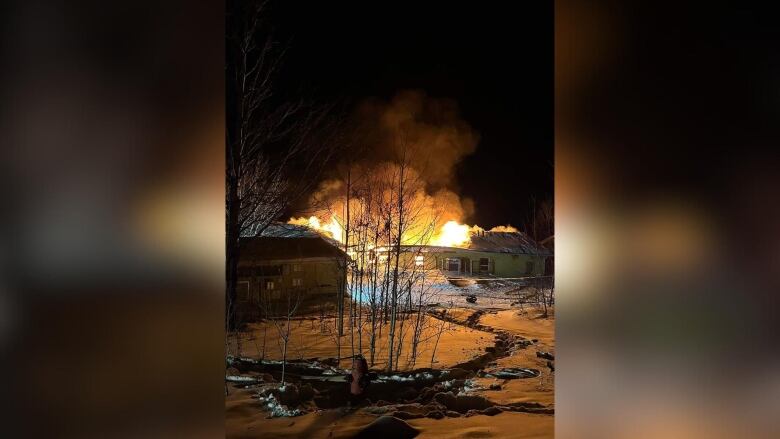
[(486, 254)]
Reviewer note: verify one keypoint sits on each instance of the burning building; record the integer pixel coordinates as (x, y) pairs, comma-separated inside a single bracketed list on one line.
[(401, 194), (457, 250), (486, 254)]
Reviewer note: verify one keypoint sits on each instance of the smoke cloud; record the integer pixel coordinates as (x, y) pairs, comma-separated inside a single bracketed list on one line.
[(427, 132)]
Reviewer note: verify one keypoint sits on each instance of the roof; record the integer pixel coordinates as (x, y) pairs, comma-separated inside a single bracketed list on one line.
[(495, 242), (280, 230), (287, 241), (506, 242)]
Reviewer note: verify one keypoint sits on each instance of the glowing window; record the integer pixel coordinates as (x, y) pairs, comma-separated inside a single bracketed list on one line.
[(297, 267), (269, 285), (418, 260), (297, 282)]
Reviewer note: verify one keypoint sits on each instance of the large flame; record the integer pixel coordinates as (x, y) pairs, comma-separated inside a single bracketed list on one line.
[(453, 234), (450, 234), (331, 229)]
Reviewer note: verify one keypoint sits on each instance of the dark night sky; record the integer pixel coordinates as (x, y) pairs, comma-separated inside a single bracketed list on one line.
[(495, 61)]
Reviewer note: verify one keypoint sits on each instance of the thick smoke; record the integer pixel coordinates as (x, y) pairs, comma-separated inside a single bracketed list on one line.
[(426, 133), (429, 129)]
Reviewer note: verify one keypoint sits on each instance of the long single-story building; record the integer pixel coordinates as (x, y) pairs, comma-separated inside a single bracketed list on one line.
[(488, 254), (286, 259)]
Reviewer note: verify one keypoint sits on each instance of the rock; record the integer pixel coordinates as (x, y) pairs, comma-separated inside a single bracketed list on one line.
[(406, 415), (495, 387), (491, 411), (536, 340), (436, 414), (387, 427), (446, 399), (452, 414), (268, 378), (433, 406), (490, 349), (232, 371), (426, 394), (407, 393), (471, 413), (289, 396), (306, 392), (545, 355)]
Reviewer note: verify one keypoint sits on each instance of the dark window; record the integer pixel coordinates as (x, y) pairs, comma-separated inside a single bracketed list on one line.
[(270, 270), (484, 265), (453, 264), (242, 291), (529, 267)]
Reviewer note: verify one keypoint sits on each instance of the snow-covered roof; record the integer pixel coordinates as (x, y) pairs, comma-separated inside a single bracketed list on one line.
[(494, 242), (280, 230), (506, 242), (287, 241)]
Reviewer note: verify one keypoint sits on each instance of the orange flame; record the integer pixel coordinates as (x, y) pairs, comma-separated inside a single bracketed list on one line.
[(331, 229), (450, 234), (453, 234)]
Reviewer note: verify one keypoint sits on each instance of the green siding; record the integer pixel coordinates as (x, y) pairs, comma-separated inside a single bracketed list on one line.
[(501, 264), (317, 277)]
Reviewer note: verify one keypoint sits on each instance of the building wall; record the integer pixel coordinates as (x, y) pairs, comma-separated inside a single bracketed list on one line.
[(500, 264), (318, 276)]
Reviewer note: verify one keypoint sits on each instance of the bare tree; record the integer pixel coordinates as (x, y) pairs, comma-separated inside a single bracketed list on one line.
[(267, 137), (279, 311)]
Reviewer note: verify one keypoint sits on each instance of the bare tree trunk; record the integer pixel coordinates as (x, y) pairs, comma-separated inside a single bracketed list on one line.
[(397, 255), (232, 252), (438, 337)]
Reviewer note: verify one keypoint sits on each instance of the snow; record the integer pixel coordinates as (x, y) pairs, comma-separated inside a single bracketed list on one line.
[(495, 293), (420, 376), (471, 386), (276, 409), (240, 379)]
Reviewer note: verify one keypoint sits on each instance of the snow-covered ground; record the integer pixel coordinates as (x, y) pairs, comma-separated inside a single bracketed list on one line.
[(437, 289)]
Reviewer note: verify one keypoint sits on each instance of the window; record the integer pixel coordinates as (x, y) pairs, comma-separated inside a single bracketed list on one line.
[(271, 270), (418, 260), (297, 267), (297, 282), (484, 265), (452, 264), (242, 291), (269, 285)]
